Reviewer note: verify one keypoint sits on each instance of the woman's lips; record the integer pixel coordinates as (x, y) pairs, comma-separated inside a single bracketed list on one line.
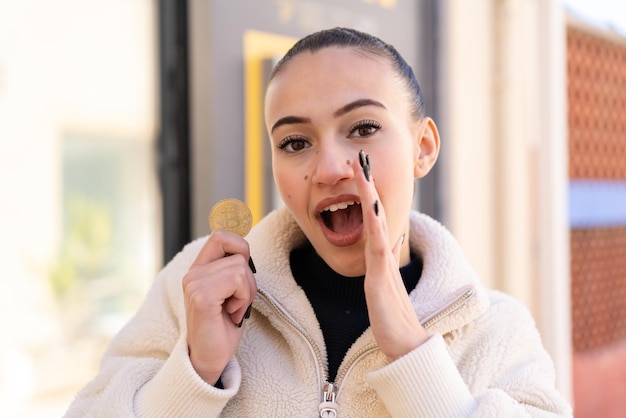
[(341, 221)]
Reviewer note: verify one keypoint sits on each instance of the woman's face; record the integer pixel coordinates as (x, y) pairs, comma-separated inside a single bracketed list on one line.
[(321, 109)]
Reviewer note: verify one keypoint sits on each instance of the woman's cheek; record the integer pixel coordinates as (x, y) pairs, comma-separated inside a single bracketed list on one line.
[(280, 184), (286, 184)]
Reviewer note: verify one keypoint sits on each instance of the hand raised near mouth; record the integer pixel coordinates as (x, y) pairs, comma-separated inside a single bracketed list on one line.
[(393, 319)]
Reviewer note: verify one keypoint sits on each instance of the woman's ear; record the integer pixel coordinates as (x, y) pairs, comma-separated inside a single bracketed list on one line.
[(427, 147)]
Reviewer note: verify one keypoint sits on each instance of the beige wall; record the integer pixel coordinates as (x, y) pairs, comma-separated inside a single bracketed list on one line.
[(503, 114)]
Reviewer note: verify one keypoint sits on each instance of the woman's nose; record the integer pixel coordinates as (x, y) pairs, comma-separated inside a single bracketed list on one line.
[(333, 164)]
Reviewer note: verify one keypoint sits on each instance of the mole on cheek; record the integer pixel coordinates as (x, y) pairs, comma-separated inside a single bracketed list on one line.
[(306, 177), (348, 162)]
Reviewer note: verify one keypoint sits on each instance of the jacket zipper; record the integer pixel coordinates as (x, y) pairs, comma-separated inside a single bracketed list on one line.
[(330, 390), (328, 406), (458, 301), (315, 350)]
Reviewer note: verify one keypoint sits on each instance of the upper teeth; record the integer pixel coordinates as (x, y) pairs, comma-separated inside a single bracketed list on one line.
[(341, 205)]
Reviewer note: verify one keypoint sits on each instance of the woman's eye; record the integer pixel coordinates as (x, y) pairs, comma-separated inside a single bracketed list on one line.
[(364, 128), (291, 144)]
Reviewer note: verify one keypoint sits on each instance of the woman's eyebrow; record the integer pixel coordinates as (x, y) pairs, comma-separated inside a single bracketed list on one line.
[(289, 120), (339, 112), (356, 104)]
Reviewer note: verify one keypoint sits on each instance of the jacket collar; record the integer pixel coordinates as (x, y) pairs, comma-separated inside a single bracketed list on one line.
[(448, 295)]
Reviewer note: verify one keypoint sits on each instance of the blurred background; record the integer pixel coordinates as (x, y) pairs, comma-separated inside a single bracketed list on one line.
[(122, 122)]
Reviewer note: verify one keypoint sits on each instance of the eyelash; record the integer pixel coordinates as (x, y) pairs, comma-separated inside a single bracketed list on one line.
[(290, 140), (365, 124)]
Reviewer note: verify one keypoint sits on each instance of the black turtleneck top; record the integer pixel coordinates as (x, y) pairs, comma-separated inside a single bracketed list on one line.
[(339, 301)]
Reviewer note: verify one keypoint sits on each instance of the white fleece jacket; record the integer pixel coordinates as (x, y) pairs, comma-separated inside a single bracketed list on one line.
[(484, 359)]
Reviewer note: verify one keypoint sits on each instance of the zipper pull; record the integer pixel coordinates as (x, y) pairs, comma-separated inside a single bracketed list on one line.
[(328, 407)]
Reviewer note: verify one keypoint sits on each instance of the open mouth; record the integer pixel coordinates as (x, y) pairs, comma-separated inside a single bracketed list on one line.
[(343, 217)]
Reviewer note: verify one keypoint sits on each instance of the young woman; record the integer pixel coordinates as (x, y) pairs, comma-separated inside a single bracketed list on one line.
[(359, 306)]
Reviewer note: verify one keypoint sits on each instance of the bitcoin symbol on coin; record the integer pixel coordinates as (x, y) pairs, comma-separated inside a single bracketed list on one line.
[(231, 215)]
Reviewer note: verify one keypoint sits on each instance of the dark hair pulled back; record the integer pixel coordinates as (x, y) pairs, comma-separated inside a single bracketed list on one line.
[(360, 41)]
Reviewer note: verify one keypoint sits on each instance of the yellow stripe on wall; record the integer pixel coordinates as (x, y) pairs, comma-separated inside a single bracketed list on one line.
[(257, 48)]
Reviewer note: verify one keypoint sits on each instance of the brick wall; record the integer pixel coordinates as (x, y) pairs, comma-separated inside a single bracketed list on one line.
[(596, 71), (598, 286)]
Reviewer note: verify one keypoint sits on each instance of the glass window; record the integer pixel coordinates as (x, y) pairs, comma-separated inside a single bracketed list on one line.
[(81, 213)]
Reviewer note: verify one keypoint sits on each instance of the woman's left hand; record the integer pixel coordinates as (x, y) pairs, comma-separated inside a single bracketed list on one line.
[(393, 319)]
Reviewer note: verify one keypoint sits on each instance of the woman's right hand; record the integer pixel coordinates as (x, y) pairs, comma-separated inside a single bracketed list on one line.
[(218, 288)]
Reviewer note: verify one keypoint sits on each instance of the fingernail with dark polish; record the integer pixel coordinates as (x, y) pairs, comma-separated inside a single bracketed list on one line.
[(362, 158), (364, 161), (376, 207), (245, 316), (251, 264)]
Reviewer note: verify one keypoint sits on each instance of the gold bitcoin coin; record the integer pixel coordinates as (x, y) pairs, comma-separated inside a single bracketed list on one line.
[(231, 215)]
